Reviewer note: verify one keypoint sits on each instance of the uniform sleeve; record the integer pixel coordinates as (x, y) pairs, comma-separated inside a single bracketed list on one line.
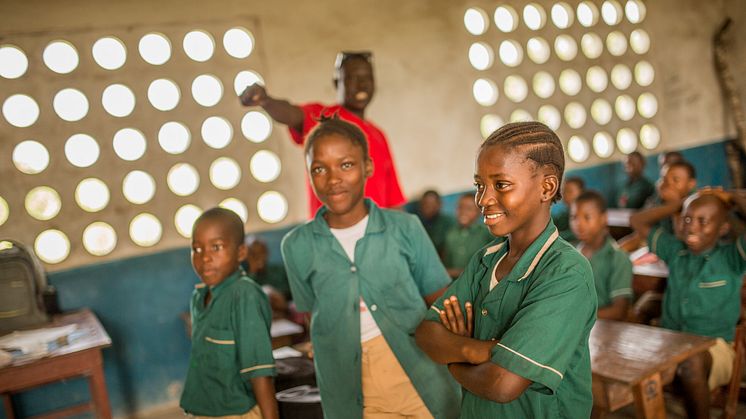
[(736, 255), (427, 269), (665, 245), (461, 288), (620, 282), (252, 318), (550, 326), (303, 295), (311, 112)]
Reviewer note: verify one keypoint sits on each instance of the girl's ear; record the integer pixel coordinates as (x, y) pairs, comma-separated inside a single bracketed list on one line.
[(369, 168), (549, 187)]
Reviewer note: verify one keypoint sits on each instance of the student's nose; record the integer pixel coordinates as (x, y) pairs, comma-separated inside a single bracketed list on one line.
[(486, 198)]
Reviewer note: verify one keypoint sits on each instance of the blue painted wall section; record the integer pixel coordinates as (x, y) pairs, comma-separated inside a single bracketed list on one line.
[(139, 302)]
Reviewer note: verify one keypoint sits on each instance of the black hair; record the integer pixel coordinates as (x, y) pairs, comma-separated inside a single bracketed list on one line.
[(543, 146), (431, 192), (684, 165), (676, 155), (577, 180), (230, 220), (344, 56), (329, 125), (638, 155), (594, 197)]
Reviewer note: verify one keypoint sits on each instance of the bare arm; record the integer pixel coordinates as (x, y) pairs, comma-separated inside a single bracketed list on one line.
[(280, 110), (643, 221), (617, 310), (264, 391), (445, 347), (490, 381), (431, 298)]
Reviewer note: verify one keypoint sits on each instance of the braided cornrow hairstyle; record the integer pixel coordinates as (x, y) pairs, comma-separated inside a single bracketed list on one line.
[(332, 124), (538, 143)]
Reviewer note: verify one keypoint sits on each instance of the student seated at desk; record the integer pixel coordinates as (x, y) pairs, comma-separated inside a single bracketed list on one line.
[(678, 180), (465, 237), (231, 364), (702, 293), (637, 188), (272, 278), (435, 222), (572, 187), (612, 269)]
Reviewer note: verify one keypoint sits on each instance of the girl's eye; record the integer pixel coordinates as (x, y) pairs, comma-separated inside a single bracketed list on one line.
[(317, 170), (217, 247), (346, 165), (197, 250), (501, 185), (478, 186)]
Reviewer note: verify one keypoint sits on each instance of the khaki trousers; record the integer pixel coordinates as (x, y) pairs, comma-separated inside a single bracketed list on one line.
[(254, 413), (387, 391)]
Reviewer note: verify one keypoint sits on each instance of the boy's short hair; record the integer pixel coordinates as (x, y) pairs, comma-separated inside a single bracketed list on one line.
[(576, 180), (230, 220), (329, 125), (688, 167), (431, 192), (545, 147), (638, 155), (594, 197)]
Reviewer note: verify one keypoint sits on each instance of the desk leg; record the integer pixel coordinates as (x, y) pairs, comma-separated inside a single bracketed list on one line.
[(97, 386), (649, 402), (8, 404)]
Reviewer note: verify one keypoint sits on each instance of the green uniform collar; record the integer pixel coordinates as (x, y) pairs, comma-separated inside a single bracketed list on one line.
[(530, 258), (376, 223), (217, 289)]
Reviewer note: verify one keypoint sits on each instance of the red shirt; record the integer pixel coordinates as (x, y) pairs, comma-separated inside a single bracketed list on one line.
[(383, 186)]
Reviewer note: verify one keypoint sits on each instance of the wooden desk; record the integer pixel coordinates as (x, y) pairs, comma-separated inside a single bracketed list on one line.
[(80, 358), (629, 364)]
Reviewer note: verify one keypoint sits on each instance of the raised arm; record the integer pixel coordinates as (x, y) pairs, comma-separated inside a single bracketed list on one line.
[(643, 221), (280, 110)]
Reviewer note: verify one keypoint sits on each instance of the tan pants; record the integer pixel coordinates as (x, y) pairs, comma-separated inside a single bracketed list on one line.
[(254, 413), (723, 354), (387, 391)]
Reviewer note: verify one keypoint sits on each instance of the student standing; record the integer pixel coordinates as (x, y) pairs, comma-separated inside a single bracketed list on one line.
[(466, 237), (435, 222), (231, 364), (612, 269), (637, 188), (355, 87), (520, 348), (365, 276)]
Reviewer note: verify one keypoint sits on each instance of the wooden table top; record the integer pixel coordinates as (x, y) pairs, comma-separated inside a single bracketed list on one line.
[(630, 352), (89, 334)]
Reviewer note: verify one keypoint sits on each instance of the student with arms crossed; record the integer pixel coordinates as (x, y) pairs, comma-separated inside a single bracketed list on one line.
[(365, 275), (519, 343), (231, 364)]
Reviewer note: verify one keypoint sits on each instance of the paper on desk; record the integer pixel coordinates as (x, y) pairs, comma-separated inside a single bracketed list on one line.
[(286, 352), (284, 327), (646, 263), (35, 341)]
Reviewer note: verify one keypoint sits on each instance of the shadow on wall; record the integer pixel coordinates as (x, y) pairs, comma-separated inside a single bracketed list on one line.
[(138, 301)]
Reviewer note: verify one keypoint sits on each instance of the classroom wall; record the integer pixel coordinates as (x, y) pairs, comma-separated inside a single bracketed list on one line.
[(423, 102)]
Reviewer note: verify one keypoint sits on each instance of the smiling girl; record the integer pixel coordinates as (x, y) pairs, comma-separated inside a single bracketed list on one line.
[(519, 344), (365, 274)]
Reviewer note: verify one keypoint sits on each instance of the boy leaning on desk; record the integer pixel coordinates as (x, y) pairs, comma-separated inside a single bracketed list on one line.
[(702, 293)]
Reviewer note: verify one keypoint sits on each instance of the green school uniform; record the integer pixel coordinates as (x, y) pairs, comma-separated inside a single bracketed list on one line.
[(541, 314), (703, 292), (437, 228), (612, 272), (230, 345), (274, 276), (633, 194), (462, 242), (395, 266)]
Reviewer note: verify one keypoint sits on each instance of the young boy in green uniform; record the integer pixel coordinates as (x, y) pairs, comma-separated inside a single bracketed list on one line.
[(636, 190), (612, 269), (231, 364), (465, 237), (520, 348), (572, 187), (702, 293), (365, 275)]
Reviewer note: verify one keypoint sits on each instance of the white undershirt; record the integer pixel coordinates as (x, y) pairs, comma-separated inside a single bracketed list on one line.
[(348, 238)]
